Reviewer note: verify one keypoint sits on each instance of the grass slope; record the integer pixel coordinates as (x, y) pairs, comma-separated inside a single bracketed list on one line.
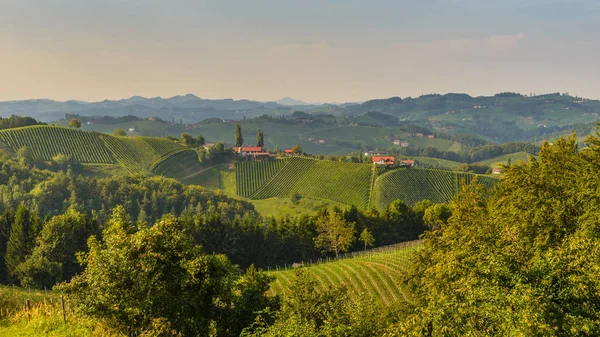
[(373, 274), (503, 160), (413, 185)]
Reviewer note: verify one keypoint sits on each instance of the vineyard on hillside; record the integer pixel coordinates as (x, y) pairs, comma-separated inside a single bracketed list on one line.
[(347, 183), (162, 146), (178, 165), (46, 142), (250, 176), (133, 153), (413, 185), (209, 178), (374, 274)]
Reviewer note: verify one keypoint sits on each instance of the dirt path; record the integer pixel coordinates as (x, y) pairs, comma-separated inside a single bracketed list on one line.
[(197, 173)]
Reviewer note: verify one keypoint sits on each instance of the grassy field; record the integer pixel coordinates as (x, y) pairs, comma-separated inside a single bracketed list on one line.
[(374, 274), (503, 160)]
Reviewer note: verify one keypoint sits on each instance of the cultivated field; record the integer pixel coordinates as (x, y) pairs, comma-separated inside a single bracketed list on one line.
[(374, 273)]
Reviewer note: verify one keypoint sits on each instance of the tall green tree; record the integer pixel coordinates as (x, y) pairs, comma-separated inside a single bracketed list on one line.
[(260, 138), (6, 221), (335, 234), (239, 138), (367, 238), (21, 238)]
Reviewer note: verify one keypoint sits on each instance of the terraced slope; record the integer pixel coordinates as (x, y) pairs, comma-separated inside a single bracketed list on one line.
[(347, 183), (374, 274), (133, 153), (162, 146), (413, 185), (46, 142), (250, 176)]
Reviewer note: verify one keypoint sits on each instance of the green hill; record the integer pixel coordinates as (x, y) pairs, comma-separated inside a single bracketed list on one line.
[(413, 185), (503, 159), (347, 183), (132, 154), (372, 273)]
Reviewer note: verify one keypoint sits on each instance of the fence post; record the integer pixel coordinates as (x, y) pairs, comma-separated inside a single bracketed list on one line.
[(62, 306), (28, 307)]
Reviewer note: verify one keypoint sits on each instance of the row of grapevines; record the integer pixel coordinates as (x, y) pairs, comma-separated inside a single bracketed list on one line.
[(373, 274), (178, 165), (250, 176), (46, 142), (413, 185), (162, 146), (347, 183)]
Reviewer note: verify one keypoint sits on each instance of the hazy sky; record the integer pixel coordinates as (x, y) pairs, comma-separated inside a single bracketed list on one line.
[(315, 50)]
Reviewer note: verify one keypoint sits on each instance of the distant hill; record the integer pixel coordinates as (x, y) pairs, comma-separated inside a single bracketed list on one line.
[(291, 101)]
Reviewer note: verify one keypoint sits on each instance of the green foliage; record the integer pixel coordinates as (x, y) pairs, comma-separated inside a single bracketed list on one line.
[(328, 312), (20, 240), (119, 132), (133, 278), (367, 238), (523, 261), (52, 259), (296, 149), (17, 121), (335, 233), (74, 123), (260, 138), (239, 138)]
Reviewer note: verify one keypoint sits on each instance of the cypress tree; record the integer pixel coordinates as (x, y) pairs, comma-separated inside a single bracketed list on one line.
[(6, 221), (239, 139)]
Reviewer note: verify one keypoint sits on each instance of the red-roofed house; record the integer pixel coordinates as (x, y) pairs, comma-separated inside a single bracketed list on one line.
[(262, 155), (246, 150), (290, 152), (387, 161), (407, 162)]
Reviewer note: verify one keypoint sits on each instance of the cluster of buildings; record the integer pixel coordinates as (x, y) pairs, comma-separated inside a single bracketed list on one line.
[(258, 153)]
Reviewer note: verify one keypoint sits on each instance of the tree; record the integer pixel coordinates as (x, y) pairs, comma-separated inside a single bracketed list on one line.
[(335, 234), (200, 140), (74, 123), (53, 259), (20, 239), (297, 149), (119, 132), (239, 138), (135, 277), (367, 238), (6, 221), (186, 138), (260, 138), (25, 156)]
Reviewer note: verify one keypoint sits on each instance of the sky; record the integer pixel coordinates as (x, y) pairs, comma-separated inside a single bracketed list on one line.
[(313, 50)]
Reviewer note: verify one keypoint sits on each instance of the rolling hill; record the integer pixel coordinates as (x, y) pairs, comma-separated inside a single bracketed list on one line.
[(131, 154), (373, 273), (348, 183)]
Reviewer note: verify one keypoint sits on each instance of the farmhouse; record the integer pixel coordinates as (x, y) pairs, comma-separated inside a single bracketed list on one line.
[(290, 152), (497, 170), (419, 134), (261, 155), (407, 162), (384, 161), (396, 141), (248, 150), (369, 153), (431, 136), (404, 144), (321, 141)]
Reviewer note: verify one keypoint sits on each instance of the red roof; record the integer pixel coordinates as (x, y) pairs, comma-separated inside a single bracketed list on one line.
[(387, 160), (407, 161), (289, 150), (249, 149)]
